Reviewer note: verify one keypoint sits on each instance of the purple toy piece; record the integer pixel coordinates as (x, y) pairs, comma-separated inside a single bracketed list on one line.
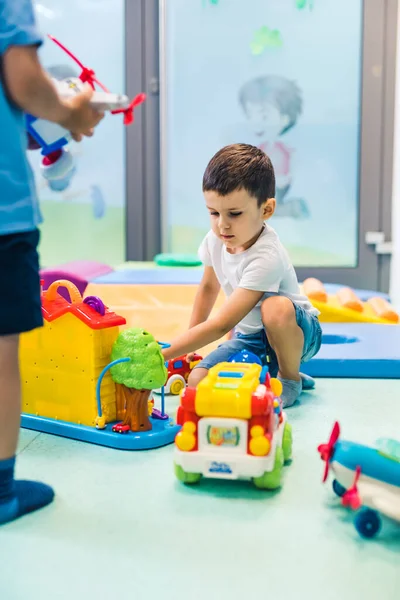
[(157, 414), (96, 303), (79, 272)]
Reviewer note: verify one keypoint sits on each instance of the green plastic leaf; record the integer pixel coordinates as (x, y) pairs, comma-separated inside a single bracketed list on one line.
[(146, 369), (266, 38)]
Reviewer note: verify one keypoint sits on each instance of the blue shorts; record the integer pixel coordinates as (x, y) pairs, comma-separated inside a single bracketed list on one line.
[(259, 345), (20, 303)]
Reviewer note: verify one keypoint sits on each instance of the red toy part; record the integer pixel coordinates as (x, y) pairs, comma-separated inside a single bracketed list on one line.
[(120, 428), (261, 403), (326, 450), (51, 158), (128, 112), (195, 357), (55, 306), (188, 399), (180, 366), (88, 76), (352, 498), (180, 416)]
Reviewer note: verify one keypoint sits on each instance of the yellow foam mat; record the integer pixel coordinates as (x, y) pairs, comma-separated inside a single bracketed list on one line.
[(333, 312), (163, 310)]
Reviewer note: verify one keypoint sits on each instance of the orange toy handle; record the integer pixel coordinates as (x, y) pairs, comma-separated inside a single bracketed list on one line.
[(314, 289), (74, 293), (383, 309), (348, 299)]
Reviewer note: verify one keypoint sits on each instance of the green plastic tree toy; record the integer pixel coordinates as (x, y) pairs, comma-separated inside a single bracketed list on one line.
[(145, 371)]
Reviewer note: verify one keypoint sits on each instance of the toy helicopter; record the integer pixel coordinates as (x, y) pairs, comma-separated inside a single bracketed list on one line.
[(57, 164), (367, 479)]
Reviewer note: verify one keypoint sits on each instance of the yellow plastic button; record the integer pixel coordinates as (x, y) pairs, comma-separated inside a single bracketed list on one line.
[(260, 446), (257, 431), (185, 441), (189, 427), (276, 387)]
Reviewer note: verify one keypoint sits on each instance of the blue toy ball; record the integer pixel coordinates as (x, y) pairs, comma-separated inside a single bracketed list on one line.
[(244, 356)]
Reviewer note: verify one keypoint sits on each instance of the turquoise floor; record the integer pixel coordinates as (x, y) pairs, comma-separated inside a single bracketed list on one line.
[(121, 526)]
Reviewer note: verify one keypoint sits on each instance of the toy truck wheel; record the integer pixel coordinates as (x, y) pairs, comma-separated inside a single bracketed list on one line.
[(177, 386), (287, 442), (184, 477), (367, 522), (271, 480), (338, 489)]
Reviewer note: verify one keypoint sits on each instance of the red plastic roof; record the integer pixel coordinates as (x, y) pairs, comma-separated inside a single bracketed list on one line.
[(55, 309)]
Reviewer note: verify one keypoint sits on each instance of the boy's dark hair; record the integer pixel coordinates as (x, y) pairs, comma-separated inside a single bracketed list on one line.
[(240, 166)]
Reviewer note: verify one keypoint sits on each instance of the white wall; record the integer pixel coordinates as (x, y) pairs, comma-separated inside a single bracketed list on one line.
[(395, 268)]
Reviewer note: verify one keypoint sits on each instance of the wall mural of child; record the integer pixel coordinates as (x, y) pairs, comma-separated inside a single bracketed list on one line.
[(272, 105)]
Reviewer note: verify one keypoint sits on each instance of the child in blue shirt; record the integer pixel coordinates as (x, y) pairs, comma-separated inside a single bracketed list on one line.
[(24, 88)]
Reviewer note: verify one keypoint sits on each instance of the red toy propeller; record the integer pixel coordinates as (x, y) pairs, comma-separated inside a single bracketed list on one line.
[(352, 498), (89, 76), (326, 450), (128, 112)]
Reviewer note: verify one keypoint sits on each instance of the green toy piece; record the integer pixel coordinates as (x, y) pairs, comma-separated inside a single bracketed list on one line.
[(272, 480), (177, 260), (135, 379), (146, 369), (184, 477), (287, 442)]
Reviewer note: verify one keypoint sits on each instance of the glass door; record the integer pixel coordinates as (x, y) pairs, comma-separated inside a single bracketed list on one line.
[(300, 79), (86, 221)]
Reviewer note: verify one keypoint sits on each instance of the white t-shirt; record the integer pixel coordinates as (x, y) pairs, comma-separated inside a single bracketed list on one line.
[(264, 267)]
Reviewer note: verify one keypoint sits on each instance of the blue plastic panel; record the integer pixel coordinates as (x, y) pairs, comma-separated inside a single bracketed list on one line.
[(167, 275), (359, 350), (162, 434)]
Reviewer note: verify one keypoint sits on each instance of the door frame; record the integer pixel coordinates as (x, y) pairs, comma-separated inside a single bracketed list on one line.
[(376, 150), (388, 134), (143, 223)]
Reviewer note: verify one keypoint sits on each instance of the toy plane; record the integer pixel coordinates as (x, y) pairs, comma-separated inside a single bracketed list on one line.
[(367, 479), (58, 164)]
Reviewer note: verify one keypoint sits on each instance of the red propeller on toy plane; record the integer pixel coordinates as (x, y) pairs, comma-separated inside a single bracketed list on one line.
[(326, 450), (352, 498)]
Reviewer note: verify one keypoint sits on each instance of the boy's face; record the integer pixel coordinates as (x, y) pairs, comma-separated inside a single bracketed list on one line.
[(236, 219), (266, 119)]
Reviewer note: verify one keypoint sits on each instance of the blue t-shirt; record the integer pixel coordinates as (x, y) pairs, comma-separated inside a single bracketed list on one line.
[(19, 208)]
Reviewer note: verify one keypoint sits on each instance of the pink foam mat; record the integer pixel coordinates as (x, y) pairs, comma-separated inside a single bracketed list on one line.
[(79, 272)]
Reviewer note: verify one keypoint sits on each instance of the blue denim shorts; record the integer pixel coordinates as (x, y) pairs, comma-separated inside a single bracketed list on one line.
[(258, 344)]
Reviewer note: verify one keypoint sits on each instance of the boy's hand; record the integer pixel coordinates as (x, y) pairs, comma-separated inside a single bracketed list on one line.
[(81, 117), (190, 357)]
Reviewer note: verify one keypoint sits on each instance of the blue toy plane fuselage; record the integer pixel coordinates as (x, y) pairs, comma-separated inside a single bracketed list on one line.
[(372, 462)]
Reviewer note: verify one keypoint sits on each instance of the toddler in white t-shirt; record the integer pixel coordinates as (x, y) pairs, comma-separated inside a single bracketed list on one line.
[(243, 255)]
